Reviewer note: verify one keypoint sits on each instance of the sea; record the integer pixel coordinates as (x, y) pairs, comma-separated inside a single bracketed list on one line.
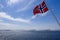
[(29, 35)]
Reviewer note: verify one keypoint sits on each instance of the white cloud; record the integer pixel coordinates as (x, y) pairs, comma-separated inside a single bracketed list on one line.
[(33, 17), (9, 26), (4, 15), (26, 7), (11, 2)]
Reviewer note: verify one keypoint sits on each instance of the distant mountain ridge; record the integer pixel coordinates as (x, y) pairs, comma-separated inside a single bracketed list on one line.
[(34, 30)]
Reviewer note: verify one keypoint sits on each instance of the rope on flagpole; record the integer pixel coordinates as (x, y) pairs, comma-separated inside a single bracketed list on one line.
[(55, 17), (53, 14)]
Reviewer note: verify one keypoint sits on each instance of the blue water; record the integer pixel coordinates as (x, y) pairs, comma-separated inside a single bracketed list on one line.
[(29, 35)]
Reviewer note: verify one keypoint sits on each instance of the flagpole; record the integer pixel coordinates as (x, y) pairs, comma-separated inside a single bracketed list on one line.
[(53, 14)]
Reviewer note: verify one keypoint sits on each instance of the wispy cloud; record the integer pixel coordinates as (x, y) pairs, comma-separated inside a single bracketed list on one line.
[(7, 24), (33, 17), (10, 26), (12, 2), (6, 16), (26, 6)]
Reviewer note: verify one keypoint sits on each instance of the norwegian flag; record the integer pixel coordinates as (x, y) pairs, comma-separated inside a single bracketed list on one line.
[(41, 8)]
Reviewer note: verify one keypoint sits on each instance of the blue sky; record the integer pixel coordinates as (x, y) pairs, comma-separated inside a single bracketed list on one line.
[(18, 15)]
